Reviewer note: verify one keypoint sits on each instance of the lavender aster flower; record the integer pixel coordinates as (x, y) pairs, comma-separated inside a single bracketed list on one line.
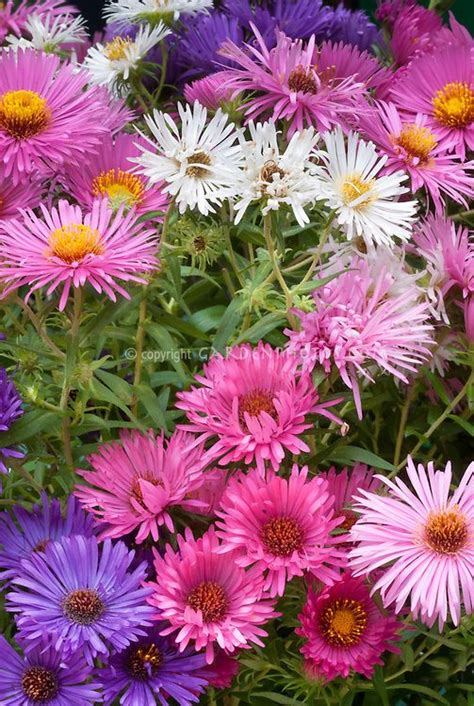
[(353, 27), (33, 530), (10, 411), (299, 19), (80, 597), (43, 677), (153, 670)]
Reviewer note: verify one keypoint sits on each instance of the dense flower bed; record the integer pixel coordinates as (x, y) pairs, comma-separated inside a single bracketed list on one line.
[(237, 284)]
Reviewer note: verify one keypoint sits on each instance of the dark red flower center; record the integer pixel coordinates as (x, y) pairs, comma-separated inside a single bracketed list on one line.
[(301, 79), (39, 684), (211, 599), (254, 402), (446, 532), (83, 606), (343, 622), (282, 536), (144, 661)]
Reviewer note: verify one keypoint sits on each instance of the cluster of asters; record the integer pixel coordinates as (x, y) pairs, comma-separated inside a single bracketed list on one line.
[(288, 109)]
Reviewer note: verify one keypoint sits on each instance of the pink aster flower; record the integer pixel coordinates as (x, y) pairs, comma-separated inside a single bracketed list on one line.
[(210, 91), (281, 526), (135, 482), (69, 248), (414, 32), (25, 194), (441, 85), (14, 15), (344, 485), (424, 539), (46, 115), (339, 62), (207, 598), (107, 173), (414, 146), (210, 492), (289, 85), (256, 402), (345, 630), (221, 673), (357, 323)]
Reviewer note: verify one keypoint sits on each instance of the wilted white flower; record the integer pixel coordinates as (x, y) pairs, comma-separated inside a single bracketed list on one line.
[(125, 12), (49, 33)]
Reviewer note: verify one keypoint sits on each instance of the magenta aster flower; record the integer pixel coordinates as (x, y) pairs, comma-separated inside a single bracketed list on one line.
[(46, 115), (282, 526), (417, 149), (210, 492), (345, 630), (107, 173), (357, 322), (423, 539), (441, 85), (207, 598), (414, 32), (289, 85), (339, 62), (255, 401), (13, 196), (80, 598), (210, 91), (136, 482), (344, 485), (69, 248)]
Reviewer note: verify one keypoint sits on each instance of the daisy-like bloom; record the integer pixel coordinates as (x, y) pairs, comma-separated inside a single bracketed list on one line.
[(255, 401), (43, 676), (423, 539), (135, 482), (123, 12), (338, 61), (107, 173), (68, 248), (152, 670), (31, 531), (365, 204), (344, 485), (46, 116), (15, 15), (50, 33), (199, 162), (210, 92), (288, 85), (441, 85), (345, 630), (278, 179), (357, 323), (81, 598), (282, 526), (416, 148), (354, 27), (13, 196), (114, 63), (207, 598), (10, 411), (414, 32)]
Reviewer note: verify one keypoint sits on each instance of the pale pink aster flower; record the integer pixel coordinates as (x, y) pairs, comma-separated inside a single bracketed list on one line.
[(423, 539), (134, 483), (207, 598), (210, 91), (281, 526), (345, 630), (256, 402), (107, 173), (356, 324), (14, 15), (68, 248), (288, 83), (441, 85), (28, 193), (416, 148), (46, 115), (210, 492), (343, 485)]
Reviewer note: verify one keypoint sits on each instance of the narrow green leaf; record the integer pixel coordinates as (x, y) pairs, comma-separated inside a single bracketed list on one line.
[(227, 326), (348, 454), (379, 685), (152, 405), (419, 689), (120, 387)]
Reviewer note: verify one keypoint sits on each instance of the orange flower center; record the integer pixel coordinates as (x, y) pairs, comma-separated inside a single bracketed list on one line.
[(83, 606), (198, 163), (117, 48), (417, 141), (453, 105), (136, 491), (23, 114), (446, 532), (121, 188), (144, 661), (39, 684), (282, 536), (254, 402), (301, 79), (73, 242), (353, 188), (211, 599), (343, 622)]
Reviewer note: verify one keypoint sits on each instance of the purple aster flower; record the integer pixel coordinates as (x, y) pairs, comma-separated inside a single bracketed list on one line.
[(354, 27), (33, 530), (10, 411), (153, 670), (81, 597), (43, 677), (299, 19)]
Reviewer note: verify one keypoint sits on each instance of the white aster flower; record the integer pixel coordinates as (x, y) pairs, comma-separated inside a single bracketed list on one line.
[(366, 205), (199, 162), (110, 64), (50, 33), (125, 12), (277, 179)]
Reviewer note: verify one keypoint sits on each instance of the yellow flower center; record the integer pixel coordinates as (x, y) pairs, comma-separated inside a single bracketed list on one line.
[(343, 622), (23, 114), (418, 142), (446, 532), (144, 661), (117, 48), (73, 242), (453, 105), (354, 187), (121, 188)]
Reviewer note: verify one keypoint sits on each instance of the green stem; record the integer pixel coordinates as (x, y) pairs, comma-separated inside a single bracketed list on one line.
[(71, 359), (403, 422), (21, 470), (267, 232), (164, 66), (139, 340), (38, 326), (166, 223), (232, 258)]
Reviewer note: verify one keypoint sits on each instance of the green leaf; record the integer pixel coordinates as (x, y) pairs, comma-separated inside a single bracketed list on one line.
[(266, 324), (463, 423), (379, 685), (152, 405), (169, 347), (277, 698), (355, 454), (227, 326), (418, 688), (208, 319), (29, 425), (120, 387), (101, 392)]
